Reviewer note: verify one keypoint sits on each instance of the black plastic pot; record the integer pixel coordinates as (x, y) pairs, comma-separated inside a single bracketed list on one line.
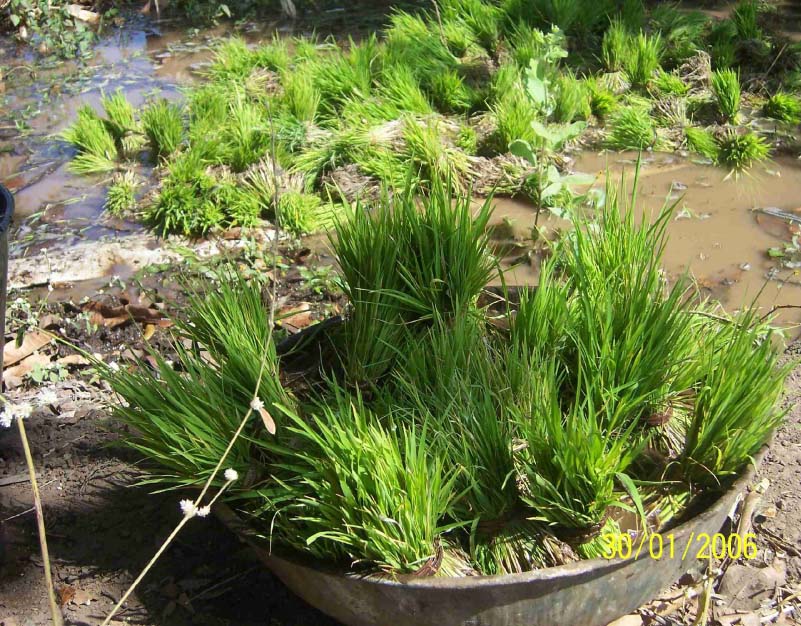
[(6, 213), (587, 593)]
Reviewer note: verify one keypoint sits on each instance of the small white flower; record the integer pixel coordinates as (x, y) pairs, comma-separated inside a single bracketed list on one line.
[(6, 418), (204, 511), (114, 366), (256, 404), (188, 508), (47, 397), (231, 475), (50, 287)]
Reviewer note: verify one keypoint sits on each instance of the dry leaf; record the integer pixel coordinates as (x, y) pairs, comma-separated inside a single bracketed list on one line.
[(79, 13), (113, 316), (30, 343), (294, 319), (13, 375), (74, 359), (65, 594), (269, 422), (150, 330)]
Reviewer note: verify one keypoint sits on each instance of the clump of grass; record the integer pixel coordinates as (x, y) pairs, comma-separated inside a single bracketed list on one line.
[(571, 100), (301, 213), (602, 101), (513, 113), (615, 47), (432, 159), (400, 86), (642, 60), (683, 31), (121, 194), (632, 129), (450, 93), (726, 89), (736, 406), (783, 107), (702, 141), (163, 126), (95, 143), (669, 84), (185, 416), (301, 98), (121, 123), (740, 151)]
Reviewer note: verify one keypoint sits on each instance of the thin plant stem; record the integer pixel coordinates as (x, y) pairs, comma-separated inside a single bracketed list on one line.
[(55, 612), (196, 504)]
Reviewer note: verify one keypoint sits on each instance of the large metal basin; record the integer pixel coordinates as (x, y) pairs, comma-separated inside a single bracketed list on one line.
[(587, 593)]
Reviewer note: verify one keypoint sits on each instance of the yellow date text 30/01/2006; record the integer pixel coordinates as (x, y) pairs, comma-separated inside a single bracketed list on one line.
[(697, 546)]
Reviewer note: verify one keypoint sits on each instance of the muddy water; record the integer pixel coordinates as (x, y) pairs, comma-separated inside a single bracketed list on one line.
[(716, 233)]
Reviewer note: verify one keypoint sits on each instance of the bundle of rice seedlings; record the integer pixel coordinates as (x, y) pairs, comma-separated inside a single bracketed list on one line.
[(163, 126), (183, 417), (302, 213), (450, 93), (433, 160), (702, 141), (300, 96), (615, 46), (571, 100), (669, 84), (122, 124), (458, 37), (234, 61), (482, 18), (783, 107), (683, 31), (386, 519), (399, 85), (726, 89), (643, 58), (513, 113), (97, 150), (121, 194), (185, 203), (245, 138), (626, 309), (735, 407), (632, 129), (745, 18), (339, 76), (602, 100), (740, 151)]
